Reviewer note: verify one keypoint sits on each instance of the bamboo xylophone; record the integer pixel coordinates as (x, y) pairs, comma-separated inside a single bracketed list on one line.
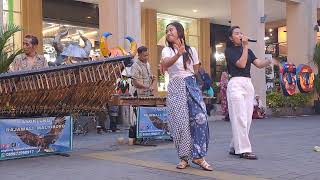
[(84, 87), (144, 100)]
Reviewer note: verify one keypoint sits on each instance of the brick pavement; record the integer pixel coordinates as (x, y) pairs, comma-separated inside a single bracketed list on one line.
[(284, 147)]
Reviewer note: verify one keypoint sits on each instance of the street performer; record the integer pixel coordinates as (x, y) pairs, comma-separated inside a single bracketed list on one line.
[(240, 91), (29, 59), (143, 79), (187, 116)]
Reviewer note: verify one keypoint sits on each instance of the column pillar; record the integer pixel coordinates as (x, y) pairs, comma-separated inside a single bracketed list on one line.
[(301, 38), (149, 39), (246, 14), (204, 50), (1, 13), (32, 20), (121, 18)]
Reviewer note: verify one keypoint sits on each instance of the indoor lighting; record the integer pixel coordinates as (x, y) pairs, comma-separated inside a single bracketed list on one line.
[(50, 30), (88, 17), (270, 30), (194, 10), (90, 33), (219, 45), (141, 0), (219, 56), (266, 38)]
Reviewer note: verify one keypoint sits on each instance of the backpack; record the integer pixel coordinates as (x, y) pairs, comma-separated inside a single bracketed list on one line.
[(206, 80)]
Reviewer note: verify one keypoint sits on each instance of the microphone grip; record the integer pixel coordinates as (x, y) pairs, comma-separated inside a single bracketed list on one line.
[(252, 40)]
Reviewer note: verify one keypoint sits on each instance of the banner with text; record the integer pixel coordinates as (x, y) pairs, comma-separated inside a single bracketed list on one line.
[(152, 122), (34, 136)]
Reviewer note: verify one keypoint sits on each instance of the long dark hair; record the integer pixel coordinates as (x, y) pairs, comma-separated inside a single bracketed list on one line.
[(230, 32), (180, 30)]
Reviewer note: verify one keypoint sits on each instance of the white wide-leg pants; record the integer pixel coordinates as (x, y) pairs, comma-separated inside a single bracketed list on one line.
[(240, 94)]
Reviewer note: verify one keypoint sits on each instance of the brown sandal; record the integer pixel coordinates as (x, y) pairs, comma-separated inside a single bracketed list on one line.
[(183, 164), (248, 155), (203, 164)]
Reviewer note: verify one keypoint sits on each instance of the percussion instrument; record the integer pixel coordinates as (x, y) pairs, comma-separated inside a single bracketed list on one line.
[(81, 87), (144, 100)]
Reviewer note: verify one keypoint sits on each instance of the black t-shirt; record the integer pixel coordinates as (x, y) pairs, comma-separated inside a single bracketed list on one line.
[(233, 54)]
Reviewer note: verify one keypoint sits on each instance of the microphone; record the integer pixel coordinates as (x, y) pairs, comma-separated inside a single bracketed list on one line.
[(251, 40)]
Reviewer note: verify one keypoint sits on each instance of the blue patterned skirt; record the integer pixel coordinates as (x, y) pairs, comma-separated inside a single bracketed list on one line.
[(188, 121)]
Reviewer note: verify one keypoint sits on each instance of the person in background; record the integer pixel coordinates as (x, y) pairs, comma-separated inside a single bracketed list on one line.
[(29, 59), (143, 79), (101, 117), (223, 94), (258, 110), (205, 83), (113, 114)]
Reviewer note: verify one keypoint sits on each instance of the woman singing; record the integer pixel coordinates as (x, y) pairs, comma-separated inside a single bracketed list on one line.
[(240, 91), (186, 110)]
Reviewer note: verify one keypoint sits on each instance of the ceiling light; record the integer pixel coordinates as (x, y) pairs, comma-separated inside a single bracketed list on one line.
[(141, 0), (88, 17), (270, 30), (219, 45), (194, 10)]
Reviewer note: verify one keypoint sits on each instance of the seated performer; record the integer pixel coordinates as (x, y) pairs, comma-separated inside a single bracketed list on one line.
[(29, 59)]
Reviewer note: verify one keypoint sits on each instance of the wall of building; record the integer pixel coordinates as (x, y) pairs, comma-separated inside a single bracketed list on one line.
[(32, 19)]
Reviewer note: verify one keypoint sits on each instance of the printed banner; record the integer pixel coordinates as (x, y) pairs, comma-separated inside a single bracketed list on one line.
[(152, 122), (34, 136), (269, 74)]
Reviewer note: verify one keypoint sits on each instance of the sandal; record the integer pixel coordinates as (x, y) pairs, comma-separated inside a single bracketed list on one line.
[(203, 164), (248, 155), (182, 164)]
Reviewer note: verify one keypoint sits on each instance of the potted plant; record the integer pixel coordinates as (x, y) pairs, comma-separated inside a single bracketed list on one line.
[(316, 61), (288, 105), (7, 51)]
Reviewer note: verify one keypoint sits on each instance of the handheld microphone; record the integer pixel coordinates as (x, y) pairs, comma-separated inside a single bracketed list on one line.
[(251, 40)]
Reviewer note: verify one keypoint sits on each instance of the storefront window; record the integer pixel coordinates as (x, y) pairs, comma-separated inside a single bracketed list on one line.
[(220, 59), (282, 40), (51, 29), (192, 34), (12, 15)]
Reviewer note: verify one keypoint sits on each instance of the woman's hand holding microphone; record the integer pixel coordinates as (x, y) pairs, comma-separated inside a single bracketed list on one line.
[(244, 40)]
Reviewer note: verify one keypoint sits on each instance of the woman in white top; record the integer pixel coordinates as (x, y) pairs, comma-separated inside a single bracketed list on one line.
[(187, 115)]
